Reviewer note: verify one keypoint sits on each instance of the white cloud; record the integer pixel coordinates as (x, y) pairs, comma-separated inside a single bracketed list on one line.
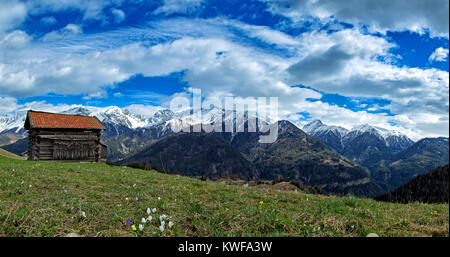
[(263, 33), (440, 55), (380, 15), (8, 104), (91, 10), (175, 6), (348, 63), (143, 110), (12, 13), (119, 15), (70, 30), (222, 64), (15, 40)]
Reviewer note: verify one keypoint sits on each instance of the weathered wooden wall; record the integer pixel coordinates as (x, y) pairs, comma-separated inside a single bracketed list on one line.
[(70, 145)]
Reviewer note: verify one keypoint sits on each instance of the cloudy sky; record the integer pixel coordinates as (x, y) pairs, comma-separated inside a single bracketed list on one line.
[(346, 62)]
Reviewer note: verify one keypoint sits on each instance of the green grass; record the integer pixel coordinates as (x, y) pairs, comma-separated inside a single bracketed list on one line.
[(5, 153), (197, 208)]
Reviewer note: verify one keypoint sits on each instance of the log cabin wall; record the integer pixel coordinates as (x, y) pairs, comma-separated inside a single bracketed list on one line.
[(66, 145)]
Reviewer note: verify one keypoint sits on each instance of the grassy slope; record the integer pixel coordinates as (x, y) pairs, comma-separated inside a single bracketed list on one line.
[(100, 191), (5, 153)]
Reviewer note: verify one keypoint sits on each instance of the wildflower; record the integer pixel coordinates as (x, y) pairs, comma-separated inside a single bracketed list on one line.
[(134, 185), (226, 209), (170, 224), (30, 185), (261, 202), (162, 217), (83, 214), (65, 191), (133, 227), (184, 225), (141, 227), (307, 199), (203, 212), (149, 218), (159, 198), (143, 220), (161, 227), (149, 211), (136, 199), (126, 198), (154, 210), (128, 222)]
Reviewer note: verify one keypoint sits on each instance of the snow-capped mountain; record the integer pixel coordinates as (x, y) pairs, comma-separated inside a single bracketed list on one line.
[(113, 114), (395, 141), (121, 119), (359, 139), (317, 126), (12, 122), (330, 135)]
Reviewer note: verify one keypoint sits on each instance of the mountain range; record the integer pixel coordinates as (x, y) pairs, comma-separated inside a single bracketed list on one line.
[(364, 161), (391, 157), (293, 156)]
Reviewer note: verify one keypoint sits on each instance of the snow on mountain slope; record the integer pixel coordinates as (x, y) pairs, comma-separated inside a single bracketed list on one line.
[(317, 126), (112, 114), (392, 138), (332, 134), (121, 118), (13, 122)]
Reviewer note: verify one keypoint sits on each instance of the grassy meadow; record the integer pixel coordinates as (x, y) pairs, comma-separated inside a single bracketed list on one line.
[(54, 199)]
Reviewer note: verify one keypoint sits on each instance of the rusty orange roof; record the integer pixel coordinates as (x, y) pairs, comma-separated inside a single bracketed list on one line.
[(54, 120)]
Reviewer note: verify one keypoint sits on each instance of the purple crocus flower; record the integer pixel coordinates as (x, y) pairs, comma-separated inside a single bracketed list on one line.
[(137, 199), (203, 212), (184, 225), (65, 191), (128, 223), (77, 210)]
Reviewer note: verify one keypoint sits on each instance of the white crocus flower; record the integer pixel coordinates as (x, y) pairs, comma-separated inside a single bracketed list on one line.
[(159, 198), (161, 227), (170, 224), (83, 214), (148, 211), (143, 220), (141, 227), (149, 218), (154, 210)]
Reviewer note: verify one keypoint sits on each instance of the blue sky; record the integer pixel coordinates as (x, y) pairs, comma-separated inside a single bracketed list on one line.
[(344, 62)]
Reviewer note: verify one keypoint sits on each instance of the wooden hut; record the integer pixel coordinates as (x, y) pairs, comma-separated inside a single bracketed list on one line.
[(64, 137)]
